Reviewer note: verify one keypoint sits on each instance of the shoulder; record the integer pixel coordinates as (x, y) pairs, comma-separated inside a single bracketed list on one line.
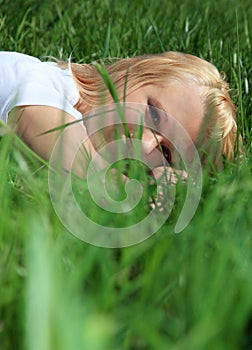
[(26, 80), (12, 57), (14, 68)]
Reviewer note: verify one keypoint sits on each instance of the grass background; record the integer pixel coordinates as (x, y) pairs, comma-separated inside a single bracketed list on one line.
[(187, 291)]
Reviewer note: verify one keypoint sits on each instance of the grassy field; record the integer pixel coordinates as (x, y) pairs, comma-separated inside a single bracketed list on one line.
[(187, 291)]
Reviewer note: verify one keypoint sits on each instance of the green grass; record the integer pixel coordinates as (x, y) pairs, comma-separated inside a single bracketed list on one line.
[(174, 291)]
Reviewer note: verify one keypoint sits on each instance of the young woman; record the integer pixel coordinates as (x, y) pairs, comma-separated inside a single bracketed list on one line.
[(36, 97)]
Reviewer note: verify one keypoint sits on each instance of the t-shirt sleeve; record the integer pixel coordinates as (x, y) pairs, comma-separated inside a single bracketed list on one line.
[(48, 85)]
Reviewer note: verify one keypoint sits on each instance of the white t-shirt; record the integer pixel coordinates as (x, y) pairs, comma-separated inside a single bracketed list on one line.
[(25, 80)]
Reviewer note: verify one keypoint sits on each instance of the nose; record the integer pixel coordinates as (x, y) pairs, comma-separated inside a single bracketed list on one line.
[(154, 148), (150, 141)]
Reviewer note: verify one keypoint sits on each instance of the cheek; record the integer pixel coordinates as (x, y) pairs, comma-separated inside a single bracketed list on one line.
[(107, 135), (118, 132), (104, 136), (108, 127)]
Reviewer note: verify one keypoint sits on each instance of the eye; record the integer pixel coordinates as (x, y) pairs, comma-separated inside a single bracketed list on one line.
[(154, 113), (166, 153)]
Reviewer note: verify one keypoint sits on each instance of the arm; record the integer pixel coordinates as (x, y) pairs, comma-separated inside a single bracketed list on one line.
[(31, 121)]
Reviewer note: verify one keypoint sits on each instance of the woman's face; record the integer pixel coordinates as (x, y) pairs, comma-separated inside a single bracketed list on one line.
[(180, 101), (169, 112)]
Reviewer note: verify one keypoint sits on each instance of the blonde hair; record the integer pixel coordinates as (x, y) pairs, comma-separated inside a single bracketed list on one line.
[(161, 69)]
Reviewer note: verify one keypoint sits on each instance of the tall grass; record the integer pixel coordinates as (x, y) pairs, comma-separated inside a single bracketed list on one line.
[(186, 291)]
